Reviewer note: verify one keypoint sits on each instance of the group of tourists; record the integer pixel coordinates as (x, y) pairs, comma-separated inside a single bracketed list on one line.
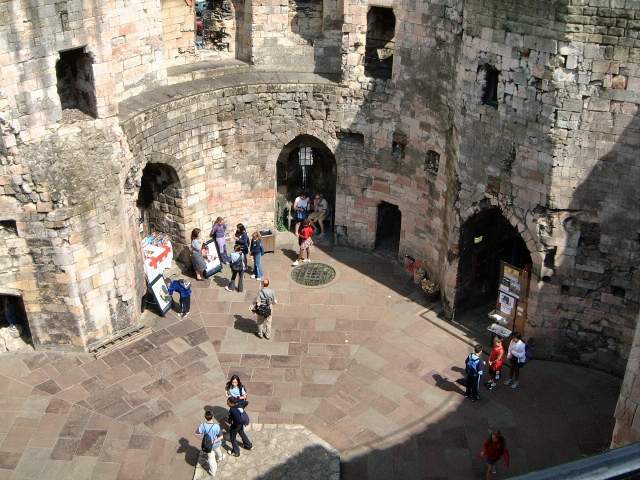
[(517, 355), (211, 452), (243, 246)]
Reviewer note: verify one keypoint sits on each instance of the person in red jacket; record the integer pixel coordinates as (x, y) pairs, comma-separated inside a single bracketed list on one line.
[(496, 359), (493, 450), (305, 232)]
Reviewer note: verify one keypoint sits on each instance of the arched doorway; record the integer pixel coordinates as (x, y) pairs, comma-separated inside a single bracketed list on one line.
[(486, 239), (160, 202), (305, 164), (389, 225)]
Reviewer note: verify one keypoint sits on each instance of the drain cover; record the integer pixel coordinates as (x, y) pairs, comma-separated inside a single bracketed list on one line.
[(313, 274)]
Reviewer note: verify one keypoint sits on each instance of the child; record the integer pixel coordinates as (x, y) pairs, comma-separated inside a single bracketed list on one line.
[(493, 450), (496, 359), (256, 252), (184, 289), (474, 367), (304, 240), (211, 447)]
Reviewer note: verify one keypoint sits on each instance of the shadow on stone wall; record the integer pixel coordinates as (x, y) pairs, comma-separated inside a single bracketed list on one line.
[(602, 225)]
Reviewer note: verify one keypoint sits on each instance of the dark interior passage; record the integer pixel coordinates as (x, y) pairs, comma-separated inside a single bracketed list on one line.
[(306, 164), (380, 44), (13, 315), (486, 239), (160, 202), (75, 82), (388, 228)]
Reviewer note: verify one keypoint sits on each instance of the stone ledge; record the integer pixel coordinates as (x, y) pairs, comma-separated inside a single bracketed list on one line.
[(146, 101)]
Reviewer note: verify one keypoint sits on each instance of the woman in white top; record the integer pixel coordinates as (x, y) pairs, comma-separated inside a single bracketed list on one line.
[(517, 356)]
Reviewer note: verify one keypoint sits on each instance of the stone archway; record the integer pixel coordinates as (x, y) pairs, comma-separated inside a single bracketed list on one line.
[(486, 239), (160, 202), (305, 163)]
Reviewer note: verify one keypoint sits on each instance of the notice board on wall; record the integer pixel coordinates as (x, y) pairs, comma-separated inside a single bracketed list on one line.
[(512, 295)]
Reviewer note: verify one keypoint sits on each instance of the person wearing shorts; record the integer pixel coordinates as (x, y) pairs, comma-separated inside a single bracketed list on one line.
[(305, 232), (494, 448), (319, 213)]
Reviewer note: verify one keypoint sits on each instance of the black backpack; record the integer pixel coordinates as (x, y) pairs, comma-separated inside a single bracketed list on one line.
[(207, 441), (264, 307), (238, 265)]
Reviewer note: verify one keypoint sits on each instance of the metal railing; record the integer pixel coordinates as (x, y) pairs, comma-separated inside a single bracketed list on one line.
[(618, 464)]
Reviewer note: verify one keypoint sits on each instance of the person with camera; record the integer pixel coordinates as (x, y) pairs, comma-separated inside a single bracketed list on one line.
[(262, 308)]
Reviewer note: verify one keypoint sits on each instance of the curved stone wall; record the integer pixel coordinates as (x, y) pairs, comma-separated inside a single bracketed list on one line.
[(557, 152)]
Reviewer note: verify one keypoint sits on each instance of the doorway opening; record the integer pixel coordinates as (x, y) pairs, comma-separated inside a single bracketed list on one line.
[(160, 202), (388, 228), (486, 239), (305, 164), (15, 334), (75, 82), (380, 42)]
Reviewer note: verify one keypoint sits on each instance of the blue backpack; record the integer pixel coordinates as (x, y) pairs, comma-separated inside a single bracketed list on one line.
[(472, 364)]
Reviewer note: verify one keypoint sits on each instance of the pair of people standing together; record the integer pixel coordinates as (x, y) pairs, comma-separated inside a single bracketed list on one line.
[(211, 446)]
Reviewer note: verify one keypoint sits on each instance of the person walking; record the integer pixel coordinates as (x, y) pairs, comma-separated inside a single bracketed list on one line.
[(262, 308), (219, 232), (257, 251), (237, 269), (184, 289), (494, 448), (305, 242), (242, 239), (473, 368), (239, 420), (211, 446), (517, 357), (197, 259), (496, 360)]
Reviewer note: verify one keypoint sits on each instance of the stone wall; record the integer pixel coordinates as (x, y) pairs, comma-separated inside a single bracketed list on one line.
[(557, 152), (226, 143), (76, 278), (178, 31), (627, 429)]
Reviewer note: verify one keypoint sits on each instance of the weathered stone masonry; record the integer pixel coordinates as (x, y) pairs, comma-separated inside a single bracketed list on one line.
[(557, 152)]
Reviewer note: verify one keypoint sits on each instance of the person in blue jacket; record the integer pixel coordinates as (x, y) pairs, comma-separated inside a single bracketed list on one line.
[(184, 289)]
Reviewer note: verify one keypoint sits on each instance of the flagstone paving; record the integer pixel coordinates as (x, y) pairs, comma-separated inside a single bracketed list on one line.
[(364, 363)]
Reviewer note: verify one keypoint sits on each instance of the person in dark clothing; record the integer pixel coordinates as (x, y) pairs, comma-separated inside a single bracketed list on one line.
[(237, 269), (238, 419), (184, 289), (473, 368), (242, 240)]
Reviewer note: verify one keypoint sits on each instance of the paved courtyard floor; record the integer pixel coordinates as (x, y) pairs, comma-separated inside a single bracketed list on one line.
[(364, 363)]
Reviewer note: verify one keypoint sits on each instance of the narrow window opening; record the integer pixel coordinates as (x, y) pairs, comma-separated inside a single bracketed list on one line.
[(489, 76), (380, 45), (618, 291), (398, 145), (432, 162), (75, 82)]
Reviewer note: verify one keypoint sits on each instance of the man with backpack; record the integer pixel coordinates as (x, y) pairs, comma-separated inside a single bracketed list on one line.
[(473, 367), (262, 308), (211, 446), (237, 269), (239, 420)]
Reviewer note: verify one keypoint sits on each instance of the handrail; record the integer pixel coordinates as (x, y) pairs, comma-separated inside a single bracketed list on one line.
[(617, 464)]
